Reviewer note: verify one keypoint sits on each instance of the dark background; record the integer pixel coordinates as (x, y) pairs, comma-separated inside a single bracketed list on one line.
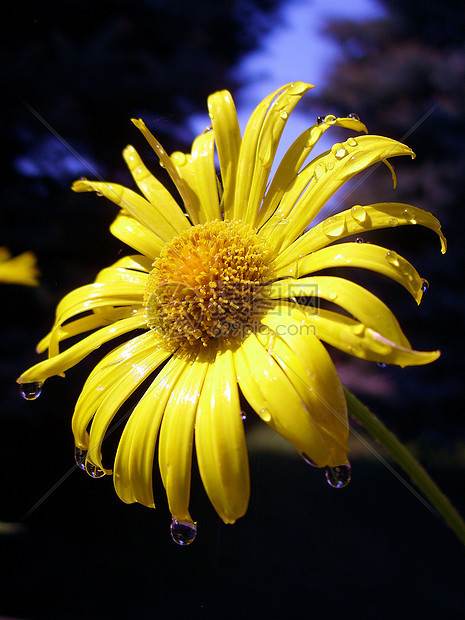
[(80, 71)]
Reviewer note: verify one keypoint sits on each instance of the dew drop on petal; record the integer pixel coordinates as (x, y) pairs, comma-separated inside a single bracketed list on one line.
[(330, 118), (338, 476), (381, 365), (265, 415), (31, 391), (352, 141), (80, 458), (183, 532), (358, 240), (392, 258), (93, 470), (339, 151), (359, 214), (354, 116), (320, 120), (424, 285), (393, 221), (283, 114)]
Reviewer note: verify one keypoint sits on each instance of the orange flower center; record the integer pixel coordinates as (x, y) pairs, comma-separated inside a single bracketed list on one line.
[(206, 284)]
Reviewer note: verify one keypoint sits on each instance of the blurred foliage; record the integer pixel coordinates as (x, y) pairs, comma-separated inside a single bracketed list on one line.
[(404, 75)]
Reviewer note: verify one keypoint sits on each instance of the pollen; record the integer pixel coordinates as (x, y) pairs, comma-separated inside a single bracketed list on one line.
[(206, 284)]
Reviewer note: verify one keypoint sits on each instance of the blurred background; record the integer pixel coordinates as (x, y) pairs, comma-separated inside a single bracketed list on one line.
[(73, 75)]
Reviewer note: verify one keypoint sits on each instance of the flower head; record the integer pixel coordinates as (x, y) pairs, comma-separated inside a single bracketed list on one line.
[(21, 269), (222, 287)]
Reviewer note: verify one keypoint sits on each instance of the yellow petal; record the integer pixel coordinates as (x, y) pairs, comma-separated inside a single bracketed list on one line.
[(227, 133), (259, 146), (177, 437), (170, 167), (156, 193), (355, 299), (58, 364), (203, 168), (356, 339), (145, 213), (311, 371), (294, 158), (143, 351), (124, 379), (220, 442), (273, 396), (21, 269), (367, 256), (322, 177), (133, 468), (136, 235), (357, 220)]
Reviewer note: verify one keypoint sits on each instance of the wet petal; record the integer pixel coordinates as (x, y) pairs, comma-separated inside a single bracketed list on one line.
[(133, 468), (227, 133), (220, 441), (177, 437), (367, 256)]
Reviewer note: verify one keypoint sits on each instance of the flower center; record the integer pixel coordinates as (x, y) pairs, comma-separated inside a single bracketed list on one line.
[(206, 282)]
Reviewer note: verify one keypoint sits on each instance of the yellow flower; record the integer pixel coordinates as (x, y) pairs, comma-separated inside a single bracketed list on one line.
[(222, 289), (18, 270)]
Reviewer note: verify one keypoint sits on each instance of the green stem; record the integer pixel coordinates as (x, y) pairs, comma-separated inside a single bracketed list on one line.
[(409, 464)]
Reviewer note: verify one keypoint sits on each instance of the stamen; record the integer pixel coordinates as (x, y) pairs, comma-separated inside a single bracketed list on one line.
[(206, 284)]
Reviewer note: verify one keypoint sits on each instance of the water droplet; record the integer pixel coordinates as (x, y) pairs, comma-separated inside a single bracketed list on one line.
[(183, 532), (179, 159), (331, 295), (243, 415), (358, 240), (80, 458), (265, 415), (339, 476), (359, 214), (320, 120), (338, 150), (392, 258), (283, 114), (308, 460), (93, 470), (359, 329), (334, 226), (381, 364), (352, 142), (424, 285), (354, 116), (393, 221), (31, 391), (208, 129), (330, 118), (409, 216), (320, 169)]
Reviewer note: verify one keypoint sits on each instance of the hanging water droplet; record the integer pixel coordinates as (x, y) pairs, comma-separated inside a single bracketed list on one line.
[(381, 364), (208, 129), (31, 391), (359, 214), (183, 532), (320, 120), (338, 476), (354, 116), (352, 141), (243, 415), (358, 240), (308, 460), (330, 118), (424, 285), (93, 470), (80, 458)]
